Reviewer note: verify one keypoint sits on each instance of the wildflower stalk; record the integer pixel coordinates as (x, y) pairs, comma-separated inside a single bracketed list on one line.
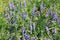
[(27, 37), (23, 30), (31, 26), (41, 6), (47, 29)]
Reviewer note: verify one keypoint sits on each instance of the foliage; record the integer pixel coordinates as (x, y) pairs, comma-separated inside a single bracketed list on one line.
[(30, 20)]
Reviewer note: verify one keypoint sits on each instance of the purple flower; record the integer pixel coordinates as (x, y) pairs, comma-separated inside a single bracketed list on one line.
[(33, 38), (14, 7), (27, 37), (45, 38), (58, 20), (48, 12), (19, 39), (55, 16), (30, 20), (47, 29), (15, 17), (23, 29), (10, 5), (7, 16), (49, 39), (24, 3), (46, 15), (24, 15), (33, 9), (11, 13)]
